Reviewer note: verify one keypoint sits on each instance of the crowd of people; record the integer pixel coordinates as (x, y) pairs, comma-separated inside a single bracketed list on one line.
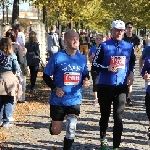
[(16, 56), (66, 73)]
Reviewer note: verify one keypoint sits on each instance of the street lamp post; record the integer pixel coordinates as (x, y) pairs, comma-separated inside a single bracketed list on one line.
[(58, 24), (3, 13), (7, 14), (76, 25), (45, 17), (15, 12), (82, 26), (38, 14)]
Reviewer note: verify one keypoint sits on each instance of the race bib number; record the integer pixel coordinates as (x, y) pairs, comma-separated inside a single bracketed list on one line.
[(71, 78), (118, 61)]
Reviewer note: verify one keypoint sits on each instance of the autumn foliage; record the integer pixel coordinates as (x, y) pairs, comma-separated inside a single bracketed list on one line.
[(97, 14)]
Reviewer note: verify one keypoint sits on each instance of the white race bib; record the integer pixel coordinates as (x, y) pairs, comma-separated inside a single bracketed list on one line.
[(71, 78), (118, 61)]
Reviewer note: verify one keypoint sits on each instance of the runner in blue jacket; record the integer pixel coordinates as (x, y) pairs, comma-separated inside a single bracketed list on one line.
[(115, 61), (146, 75)]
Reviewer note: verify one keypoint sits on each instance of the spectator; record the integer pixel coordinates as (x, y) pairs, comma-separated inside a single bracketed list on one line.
[(9, 83), (61, 41), (18, 51), (21, 36), (33, 59), (52, 40), (84, 43)]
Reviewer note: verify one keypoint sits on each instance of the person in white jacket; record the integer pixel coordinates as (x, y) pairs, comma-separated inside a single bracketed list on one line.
[(21, 35)]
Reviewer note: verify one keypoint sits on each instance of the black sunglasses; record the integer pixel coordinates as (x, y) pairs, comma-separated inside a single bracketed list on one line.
[(129, 27)]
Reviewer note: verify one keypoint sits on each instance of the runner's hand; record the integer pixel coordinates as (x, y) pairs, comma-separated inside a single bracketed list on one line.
[(59, 92), (130, 79), (93, 54), (112, 68), (140, 69), (146, 76), (86, 83)]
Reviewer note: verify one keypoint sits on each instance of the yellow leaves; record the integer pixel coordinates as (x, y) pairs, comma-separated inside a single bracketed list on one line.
[(129, 10), (102, 10), (3, 135)]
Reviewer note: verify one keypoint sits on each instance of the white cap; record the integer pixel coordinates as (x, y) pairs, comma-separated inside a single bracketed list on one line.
[(118, 24)]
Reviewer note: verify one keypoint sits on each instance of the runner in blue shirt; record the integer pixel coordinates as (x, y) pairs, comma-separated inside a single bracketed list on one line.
[(146, 75), (69, 70), (94, 74)]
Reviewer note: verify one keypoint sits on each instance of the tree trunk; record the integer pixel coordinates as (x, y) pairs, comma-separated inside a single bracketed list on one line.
[(3, 13), (15, 12), (44, 14), (45, 18)]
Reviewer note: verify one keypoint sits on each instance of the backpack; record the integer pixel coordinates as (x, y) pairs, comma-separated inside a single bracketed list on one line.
[(53, 43)]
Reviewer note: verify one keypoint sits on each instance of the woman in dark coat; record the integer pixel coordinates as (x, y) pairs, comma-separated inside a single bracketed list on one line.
[(33, 59)]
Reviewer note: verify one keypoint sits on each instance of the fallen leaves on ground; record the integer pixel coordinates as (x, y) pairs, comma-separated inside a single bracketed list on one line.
[(34, 103), (3, 135)]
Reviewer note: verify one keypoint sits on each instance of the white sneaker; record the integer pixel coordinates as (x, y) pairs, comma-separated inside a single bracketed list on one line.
[(1, 123), (11, 119), (7, 125)]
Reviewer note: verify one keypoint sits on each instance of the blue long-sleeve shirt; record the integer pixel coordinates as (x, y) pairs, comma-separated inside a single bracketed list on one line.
[(120, 54), (145, 68), (92, 50)]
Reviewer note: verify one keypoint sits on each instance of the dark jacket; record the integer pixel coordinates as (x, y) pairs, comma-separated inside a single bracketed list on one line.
[(33, 53), (61, 43)]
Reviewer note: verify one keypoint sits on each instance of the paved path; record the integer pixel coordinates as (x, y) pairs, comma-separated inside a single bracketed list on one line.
[(30, 131)]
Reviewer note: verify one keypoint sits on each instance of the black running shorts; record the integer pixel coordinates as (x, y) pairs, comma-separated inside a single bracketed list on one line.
[(57, 113)]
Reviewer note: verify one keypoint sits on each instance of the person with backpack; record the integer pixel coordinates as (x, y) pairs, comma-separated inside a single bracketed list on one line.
[(52, 40), (33, 59)]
